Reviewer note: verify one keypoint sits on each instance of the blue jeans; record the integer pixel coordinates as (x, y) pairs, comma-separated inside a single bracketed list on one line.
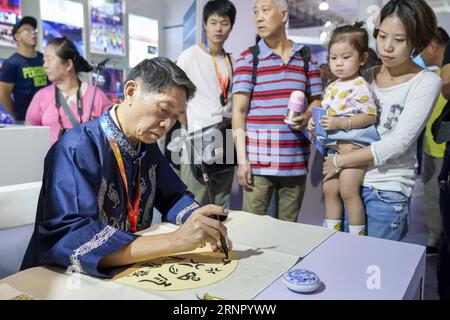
[(387, 213)]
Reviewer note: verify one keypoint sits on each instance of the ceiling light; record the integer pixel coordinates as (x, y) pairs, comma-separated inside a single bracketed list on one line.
[(324, 6), (327, 24)]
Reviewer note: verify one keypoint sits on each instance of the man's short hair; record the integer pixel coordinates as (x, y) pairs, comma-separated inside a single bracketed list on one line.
[(441, 37), (282, 5), (160, 74), (223, 8)]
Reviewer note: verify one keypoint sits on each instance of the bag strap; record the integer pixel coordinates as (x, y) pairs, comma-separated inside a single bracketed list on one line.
[(230, 88), (61, 101)]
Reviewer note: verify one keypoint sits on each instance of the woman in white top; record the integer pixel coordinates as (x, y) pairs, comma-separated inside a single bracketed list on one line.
[(406, 94)]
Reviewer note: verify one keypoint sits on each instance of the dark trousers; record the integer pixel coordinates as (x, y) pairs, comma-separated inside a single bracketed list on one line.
[(443, 270)]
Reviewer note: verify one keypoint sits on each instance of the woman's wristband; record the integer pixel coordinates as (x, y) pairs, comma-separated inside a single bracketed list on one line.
[(336, 165)]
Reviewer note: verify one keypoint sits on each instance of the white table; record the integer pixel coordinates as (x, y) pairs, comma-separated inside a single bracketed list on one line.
[(23, 150), (342, 262)]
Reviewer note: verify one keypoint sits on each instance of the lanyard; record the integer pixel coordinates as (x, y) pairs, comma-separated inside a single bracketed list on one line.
[(223, 84), (133, 211)]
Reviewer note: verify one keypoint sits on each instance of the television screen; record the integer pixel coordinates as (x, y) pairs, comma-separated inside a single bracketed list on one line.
[(143, 38), (62, 18), (9, 15), (111, 82), (107, 32), (57, 30)]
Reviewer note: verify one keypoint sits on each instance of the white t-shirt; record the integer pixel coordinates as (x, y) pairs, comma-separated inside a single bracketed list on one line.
[(405, 109), (205, 108)]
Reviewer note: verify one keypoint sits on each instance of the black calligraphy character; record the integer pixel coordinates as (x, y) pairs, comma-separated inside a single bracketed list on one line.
[(172, 259), (226, 261), (189, 276), (213, 271), (139, 273), (159, 280), (173, 269), (151, 265), (197, 264), (193, 264)]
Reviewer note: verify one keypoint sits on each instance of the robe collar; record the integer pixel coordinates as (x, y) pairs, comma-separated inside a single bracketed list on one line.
[(125, 146)]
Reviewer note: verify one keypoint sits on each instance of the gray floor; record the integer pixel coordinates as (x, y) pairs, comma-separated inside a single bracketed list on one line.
[(313, 208)]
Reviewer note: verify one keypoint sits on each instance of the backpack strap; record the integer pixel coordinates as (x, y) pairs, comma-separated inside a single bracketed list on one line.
[(305, 52), (255, 52)]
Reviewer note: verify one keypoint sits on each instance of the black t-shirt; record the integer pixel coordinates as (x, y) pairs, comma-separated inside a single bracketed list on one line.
[(28, 76)]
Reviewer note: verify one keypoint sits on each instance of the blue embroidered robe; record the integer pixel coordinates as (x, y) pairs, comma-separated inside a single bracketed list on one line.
[(82, 210)]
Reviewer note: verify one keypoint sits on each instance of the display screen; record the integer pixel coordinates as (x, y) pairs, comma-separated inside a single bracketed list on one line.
[(143, 39), (107, 32), (62, 18), (9, 16), (57, 30), (111, 83)]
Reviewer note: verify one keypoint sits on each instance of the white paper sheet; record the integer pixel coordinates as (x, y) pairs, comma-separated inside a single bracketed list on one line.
[(276, 235), (266, 248), (9, 293)]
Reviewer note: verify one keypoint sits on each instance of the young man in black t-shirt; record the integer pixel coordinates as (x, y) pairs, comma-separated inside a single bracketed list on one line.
[(22, 74)]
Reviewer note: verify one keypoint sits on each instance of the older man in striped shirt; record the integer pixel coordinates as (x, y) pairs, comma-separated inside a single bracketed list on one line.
[(272, 156)]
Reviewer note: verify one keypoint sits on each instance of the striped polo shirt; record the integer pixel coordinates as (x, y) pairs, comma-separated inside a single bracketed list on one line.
[(273, 148)]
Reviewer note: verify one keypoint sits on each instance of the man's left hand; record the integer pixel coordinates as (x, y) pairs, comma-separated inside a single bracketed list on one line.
[(302, 121)]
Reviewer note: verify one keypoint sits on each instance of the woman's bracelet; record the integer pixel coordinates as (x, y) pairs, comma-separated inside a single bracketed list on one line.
[(349, 123), (336, 166)]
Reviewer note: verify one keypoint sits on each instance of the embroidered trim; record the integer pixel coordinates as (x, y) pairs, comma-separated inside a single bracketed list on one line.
[(98, 239), (143, 186), (113, 195), (147, 214), (112, 131), (151, 198), (101, 200), (179, 219)]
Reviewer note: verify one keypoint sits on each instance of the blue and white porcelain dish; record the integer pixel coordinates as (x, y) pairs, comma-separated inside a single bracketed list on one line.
[(301, 280)]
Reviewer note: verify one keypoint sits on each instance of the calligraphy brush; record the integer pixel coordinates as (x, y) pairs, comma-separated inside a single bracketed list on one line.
[(205, 177)]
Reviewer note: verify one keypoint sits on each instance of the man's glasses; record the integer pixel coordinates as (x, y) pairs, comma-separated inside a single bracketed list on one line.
[(30, 31)]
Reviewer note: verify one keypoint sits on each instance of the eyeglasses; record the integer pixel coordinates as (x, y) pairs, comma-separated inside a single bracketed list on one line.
[(30, 31)]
